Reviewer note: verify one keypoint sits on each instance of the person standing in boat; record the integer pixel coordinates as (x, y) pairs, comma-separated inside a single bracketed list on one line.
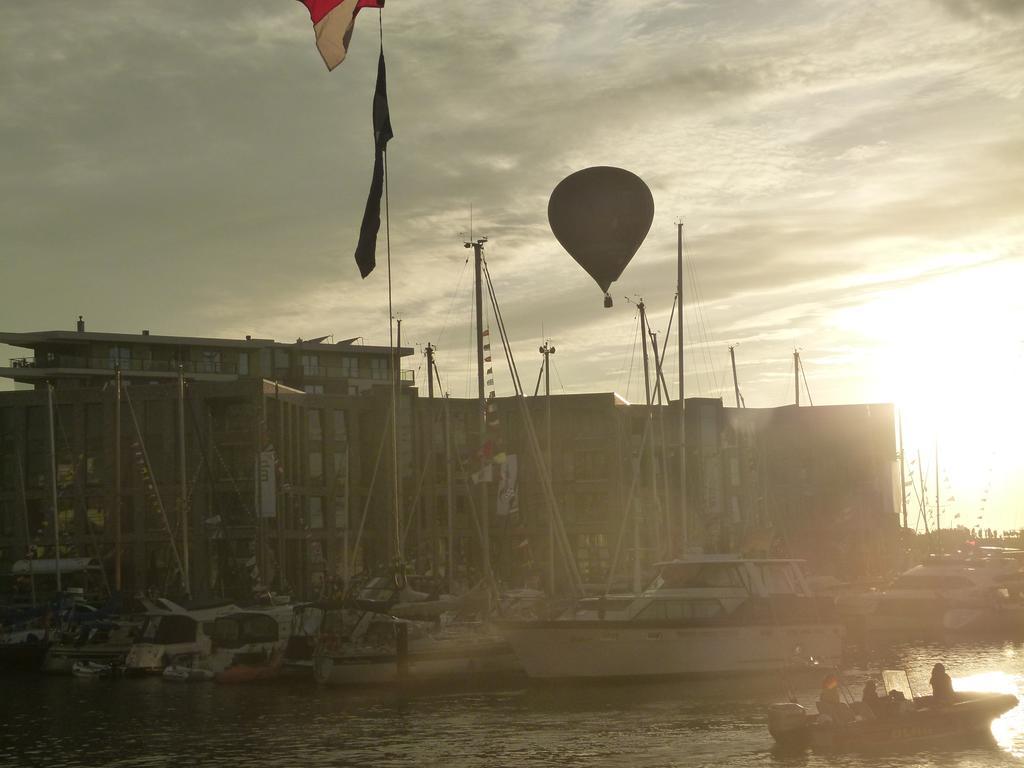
[(942, 684)]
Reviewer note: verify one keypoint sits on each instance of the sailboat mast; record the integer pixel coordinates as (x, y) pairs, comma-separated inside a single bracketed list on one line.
[(117, 479), (183, 481), (735, 378), (796, 374), (547, 350), (903, 475), (938, 506), (682, 405), (396, 482), (478, 256), (647, 365), (53, 485)]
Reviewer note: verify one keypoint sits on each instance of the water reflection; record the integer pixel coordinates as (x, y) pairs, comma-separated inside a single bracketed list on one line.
[(76, 722)]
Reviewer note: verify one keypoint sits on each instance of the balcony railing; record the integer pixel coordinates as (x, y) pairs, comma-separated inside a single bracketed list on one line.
[(106, 364), (347, 372)]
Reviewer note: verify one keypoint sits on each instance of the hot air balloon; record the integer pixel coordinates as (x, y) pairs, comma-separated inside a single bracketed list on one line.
[(601, 216)]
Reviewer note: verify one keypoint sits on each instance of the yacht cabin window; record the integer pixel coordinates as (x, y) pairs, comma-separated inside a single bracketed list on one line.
[(668, 610), (700, 575)]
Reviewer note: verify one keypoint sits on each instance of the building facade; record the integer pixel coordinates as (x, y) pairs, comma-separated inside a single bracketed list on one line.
[(280, 456)]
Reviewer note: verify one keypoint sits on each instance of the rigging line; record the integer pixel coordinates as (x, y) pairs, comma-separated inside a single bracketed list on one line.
[(803, 372), (560, 534), (435, 419), (369, 497), (701, 318), (704, 342), (702, 315), (632, 357), (78, 499), (540, 374), (559, 375), (627, 515), (665, 345), (451, 302), (152, 478), (500, 322)]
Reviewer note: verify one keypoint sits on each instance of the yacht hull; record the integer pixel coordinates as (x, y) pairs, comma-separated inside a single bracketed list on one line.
[(486, 661), (567, 649)]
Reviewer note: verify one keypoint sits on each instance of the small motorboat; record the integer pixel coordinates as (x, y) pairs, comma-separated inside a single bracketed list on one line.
[(179, 673), (905, 722), (91, 669)]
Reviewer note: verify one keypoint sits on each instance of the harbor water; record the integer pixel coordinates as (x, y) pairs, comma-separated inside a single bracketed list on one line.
[(67, 721)]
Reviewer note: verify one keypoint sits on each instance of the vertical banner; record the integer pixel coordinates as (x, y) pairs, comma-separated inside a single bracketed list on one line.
[(268, 484), (508, 487)]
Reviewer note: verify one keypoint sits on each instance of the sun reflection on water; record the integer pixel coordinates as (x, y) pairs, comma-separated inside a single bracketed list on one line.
[(1007, 730)]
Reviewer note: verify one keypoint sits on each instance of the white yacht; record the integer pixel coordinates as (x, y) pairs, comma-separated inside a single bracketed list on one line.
[(171, 634), (710, 614), (954, 593)]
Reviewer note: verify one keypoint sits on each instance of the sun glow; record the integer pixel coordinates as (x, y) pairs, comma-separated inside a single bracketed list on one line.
[(1007, 730), (949, 350)]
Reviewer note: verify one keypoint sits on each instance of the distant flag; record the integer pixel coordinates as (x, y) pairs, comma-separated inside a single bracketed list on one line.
[(333, 21)]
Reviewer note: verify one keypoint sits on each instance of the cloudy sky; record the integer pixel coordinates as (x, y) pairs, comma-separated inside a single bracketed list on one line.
[(850, 174)]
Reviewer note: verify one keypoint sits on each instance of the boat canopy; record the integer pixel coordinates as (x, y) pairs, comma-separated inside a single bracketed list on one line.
[(168, 629), (48, 567), (242, 628)]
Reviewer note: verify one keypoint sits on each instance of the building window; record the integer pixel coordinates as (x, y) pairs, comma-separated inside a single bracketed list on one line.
[(316, 467), (315, 507), (243, 364), (315, 425), (589, 465), (353, 390), (95, 516), (340, 427), (592, 555), (590, 507), (378, 368), (349, 367), (121, 357), (311, 365), (209, 361), (313, 389)]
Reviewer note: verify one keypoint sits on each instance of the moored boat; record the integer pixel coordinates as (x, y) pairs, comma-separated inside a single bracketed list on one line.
[(170, 633), (710, 614), (944, 594), (249, 646)]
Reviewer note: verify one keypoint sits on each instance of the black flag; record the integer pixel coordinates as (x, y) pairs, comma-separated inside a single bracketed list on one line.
[(366, 249)]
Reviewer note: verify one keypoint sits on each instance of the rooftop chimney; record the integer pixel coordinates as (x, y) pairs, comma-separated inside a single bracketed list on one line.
[(248, 337), (81, 324), (145, 332)]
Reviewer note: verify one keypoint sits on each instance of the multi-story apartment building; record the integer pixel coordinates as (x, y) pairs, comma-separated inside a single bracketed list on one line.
[(315, 404), (814, 482)]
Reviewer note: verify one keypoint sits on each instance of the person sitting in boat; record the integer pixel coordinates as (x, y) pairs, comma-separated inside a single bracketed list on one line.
[(942, 684), (829, 702), (872, 701)]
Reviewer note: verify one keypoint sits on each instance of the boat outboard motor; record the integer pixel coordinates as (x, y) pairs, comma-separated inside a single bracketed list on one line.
[(787, 722)]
